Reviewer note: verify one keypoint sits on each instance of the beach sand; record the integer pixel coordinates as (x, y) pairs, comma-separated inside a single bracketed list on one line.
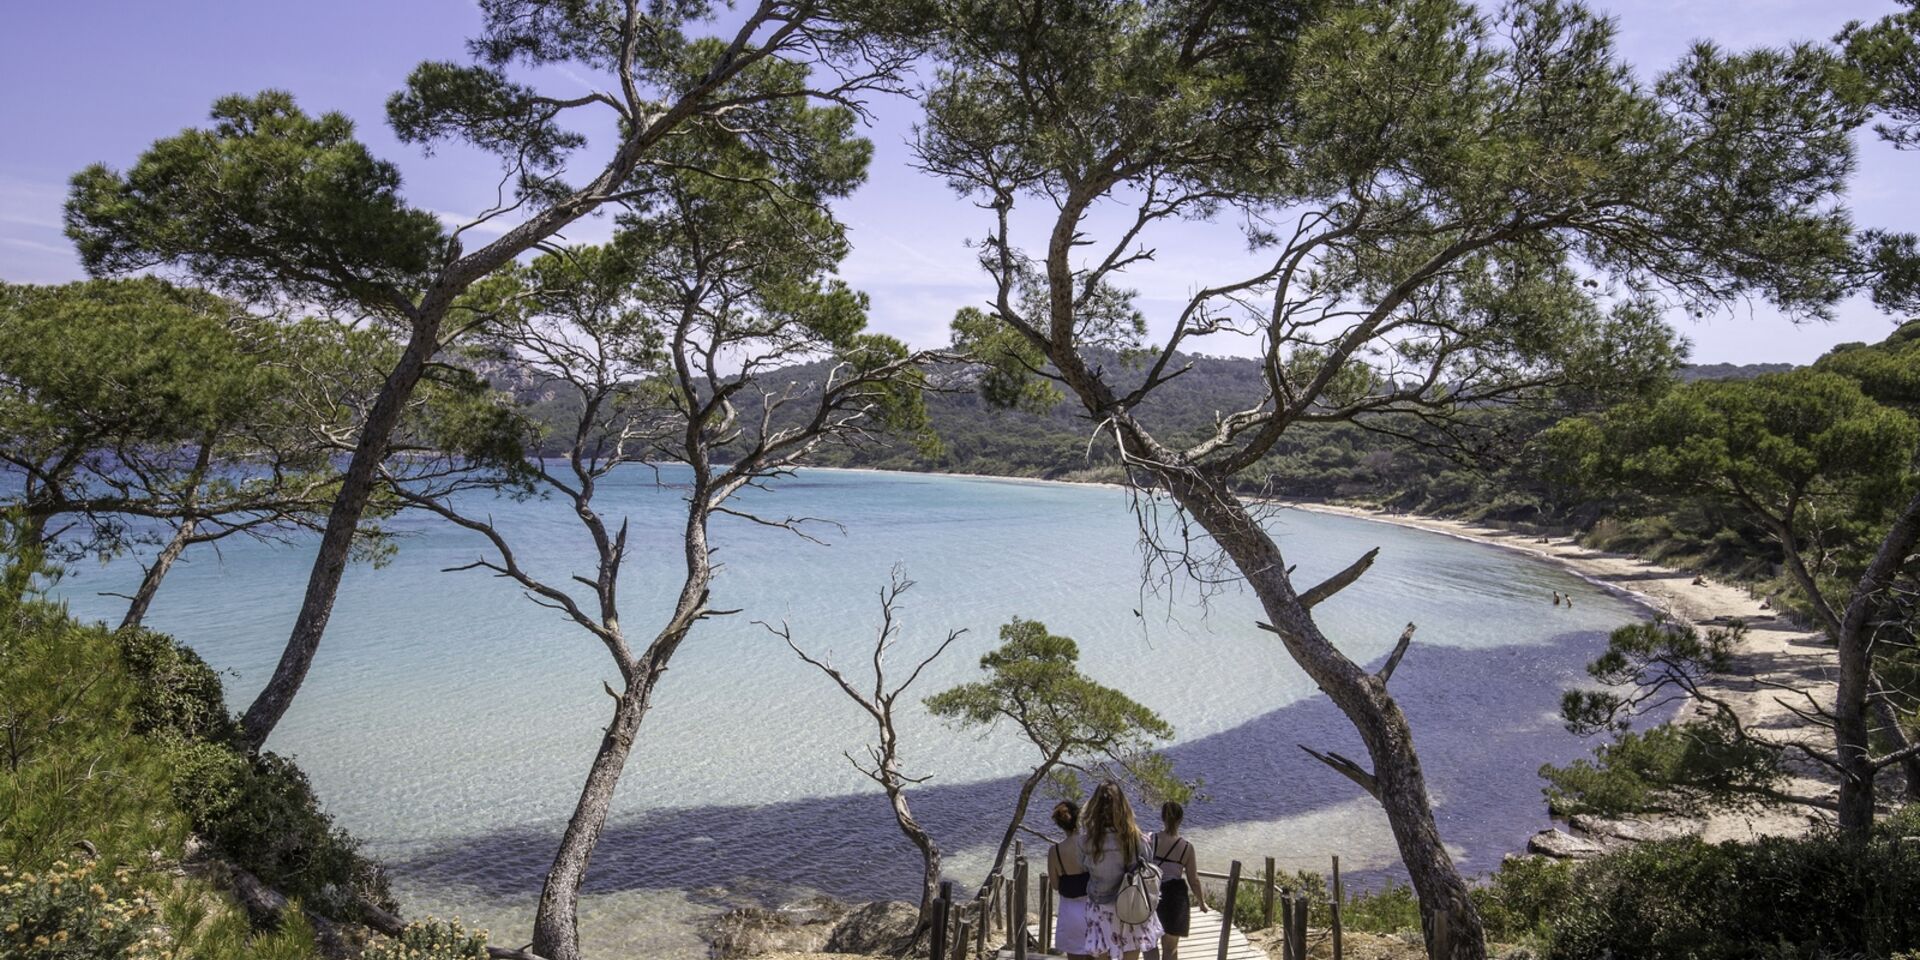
[(1774, 650)]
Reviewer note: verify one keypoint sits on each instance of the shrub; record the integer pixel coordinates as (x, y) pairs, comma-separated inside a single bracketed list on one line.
[(75, 913), (1825, 895), (1390, 909), (71, 772), (1674, 766), (1519, 900), (180, 695), (431, 940), (262, 814)]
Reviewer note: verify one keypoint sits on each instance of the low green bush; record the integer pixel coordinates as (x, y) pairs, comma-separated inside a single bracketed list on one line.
[(117, 746), (1819, 896), (431, 940), (69, 912), (261, 813), (1517, 903)]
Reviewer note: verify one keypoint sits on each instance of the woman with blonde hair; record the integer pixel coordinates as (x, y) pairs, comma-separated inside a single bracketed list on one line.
[(1113, 844)]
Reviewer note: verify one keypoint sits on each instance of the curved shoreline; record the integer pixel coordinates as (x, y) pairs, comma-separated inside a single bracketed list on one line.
[(1773, 651)]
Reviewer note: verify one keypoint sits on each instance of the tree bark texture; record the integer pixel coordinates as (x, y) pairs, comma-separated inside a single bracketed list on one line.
[(1399, 784), (1851, 730), (556, 926), (343, 521)]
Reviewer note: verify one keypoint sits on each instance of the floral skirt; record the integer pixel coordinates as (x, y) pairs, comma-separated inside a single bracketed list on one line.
[(1108, 937), (1070, 927)]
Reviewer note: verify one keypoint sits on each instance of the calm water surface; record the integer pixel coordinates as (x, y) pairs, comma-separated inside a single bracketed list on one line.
[(449, 721)]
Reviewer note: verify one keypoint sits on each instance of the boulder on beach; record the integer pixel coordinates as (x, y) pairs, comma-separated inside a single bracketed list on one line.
[(880, 927), (1634, 829), (755, 931), (1562, 845)]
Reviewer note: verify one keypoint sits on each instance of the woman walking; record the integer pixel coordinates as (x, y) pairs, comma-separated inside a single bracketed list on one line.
[(1113, 844), (1067, 866), (1179, 880)]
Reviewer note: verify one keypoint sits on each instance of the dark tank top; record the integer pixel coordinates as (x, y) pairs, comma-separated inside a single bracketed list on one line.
[(1073, 886)]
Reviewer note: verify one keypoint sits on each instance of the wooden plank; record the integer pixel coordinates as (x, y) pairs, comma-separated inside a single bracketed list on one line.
[(1205, 928)]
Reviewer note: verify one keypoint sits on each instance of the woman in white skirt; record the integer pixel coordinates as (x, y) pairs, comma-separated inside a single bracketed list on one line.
[(1066, 866), (1113, 843)]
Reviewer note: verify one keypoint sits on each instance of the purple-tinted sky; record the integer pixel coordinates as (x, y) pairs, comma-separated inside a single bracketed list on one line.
[(98, 80)]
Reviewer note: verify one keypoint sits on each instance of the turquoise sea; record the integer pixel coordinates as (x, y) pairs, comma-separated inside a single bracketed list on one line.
[(448, 720)]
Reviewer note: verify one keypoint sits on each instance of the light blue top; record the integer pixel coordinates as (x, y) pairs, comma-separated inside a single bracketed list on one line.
[(1108, 865)]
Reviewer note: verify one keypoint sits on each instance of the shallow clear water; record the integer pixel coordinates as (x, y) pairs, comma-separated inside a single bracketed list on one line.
[(449, 721)]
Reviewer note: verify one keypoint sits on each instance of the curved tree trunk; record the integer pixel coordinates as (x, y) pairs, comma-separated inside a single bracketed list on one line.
[(343, 521), (1027, 787), (556, 925), (1396, 781), (929, 851)]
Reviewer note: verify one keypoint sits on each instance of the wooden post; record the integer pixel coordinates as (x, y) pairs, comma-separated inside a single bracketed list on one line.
[(1303, 907), (961, 939), (1442, 937), (1266, 902), (1337, 896), (937, 937), (989, 906), (1046, 913), (1019, 929), (1226, 907), (1286, 923), (1015, 893)]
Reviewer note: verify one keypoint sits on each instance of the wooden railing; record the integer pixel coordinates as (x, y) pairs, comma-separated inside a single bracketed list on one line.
[(996, 917)]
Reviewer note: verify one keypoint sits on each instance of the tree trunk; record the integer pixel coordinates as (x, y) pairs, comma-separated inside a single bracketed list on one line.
[(1851, 739), (929, 851), (1398, 782), (556, 925), (1027, 787), (182, 536), (150, 581), (1890, 721), (343, 521)]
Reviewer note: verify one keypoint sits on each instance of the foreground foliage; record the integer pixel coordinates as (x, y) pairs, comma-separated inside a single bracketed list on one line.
[(128, 807)]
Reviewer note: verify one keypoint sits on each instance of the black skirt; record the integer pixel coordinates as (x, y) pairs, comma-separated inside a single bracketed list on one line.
[(1175, 910)]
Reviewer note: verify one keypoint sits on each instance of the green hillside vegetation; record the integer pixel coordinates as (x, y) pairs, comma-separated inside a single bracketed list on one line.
[(128, 819)]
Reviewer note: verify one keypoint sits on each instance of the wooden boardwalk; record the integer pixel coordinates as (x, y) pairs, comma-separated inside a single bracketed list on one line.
[(1201, 943)]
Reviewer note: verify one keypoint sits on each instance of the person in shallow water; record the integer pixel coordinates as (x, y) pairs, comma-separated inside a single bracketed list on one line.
[(1113, 842), (1179, 879), (1069, 872)]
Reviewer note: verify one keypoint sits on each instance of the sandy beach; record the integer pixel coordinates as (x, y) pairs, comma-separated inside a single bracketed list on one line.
[(1774, 650)]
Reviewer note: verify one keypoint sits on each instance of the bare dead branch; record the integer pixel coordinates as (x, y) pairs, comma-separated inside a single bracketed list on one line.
[(1312, 596), (1399, 650)]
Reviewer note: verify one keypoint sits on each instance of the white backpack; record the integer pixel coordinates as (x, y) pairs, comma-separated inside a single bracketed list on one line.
[(1139, 892)]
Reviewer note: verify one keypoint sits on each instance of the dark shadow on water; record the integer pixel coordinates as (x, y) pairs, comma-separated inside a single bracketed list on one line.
[(1484, 720)]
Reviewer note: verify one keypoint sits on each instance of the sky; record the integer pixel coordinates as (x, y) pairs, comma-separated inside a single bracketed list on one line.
[(89, 81)]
